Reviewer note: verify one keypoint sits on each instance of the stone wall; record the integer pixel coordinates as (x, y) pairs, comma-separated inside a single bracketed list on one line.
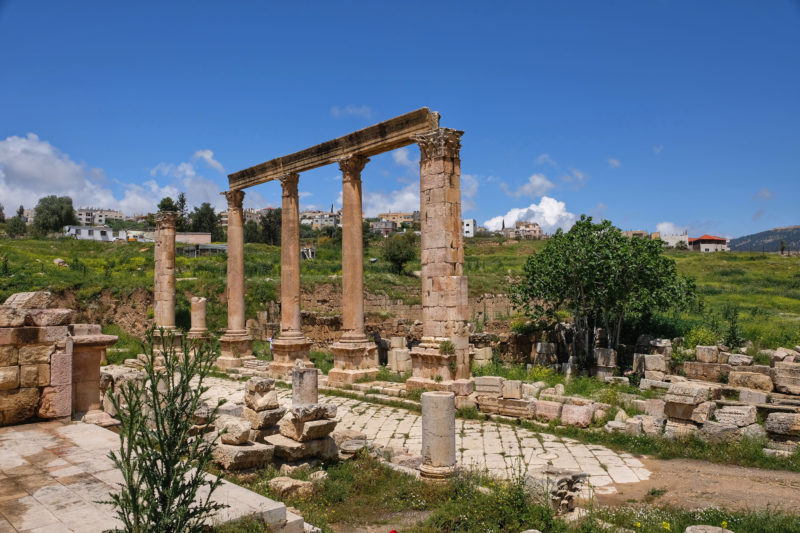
[(49, 368)]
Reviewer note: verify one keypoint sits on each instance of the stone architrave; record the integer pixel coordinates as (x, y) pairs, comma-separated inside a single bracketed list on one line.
[(354, 356), (235, 344), (445, 310), (438, 434), (164, 273), (291, 343)]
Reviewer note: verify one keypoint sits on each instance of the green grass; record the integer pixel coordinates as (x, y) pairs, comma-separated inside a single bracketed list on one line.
[(322, 360), (126, 347)]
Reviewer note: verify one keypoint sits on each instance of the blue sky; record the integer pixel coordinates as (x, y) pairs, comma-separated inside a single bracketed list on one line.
[(647, 113)]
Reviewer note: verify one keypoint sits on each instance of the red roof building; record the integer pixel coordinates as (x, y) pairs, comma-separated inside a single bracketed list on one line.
[(709, 243)]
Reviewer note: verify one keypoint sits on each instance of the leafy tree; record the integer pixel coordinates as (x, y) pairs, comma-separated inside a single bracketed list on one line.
[(205, 220), (681, 245), (602, 278), (2, 214), (52, 213), (251, 233), (783, 246), (16, 227), (399, 249), (165, 486), (167, 204), (21, 212), (271, 227), (182, 224)]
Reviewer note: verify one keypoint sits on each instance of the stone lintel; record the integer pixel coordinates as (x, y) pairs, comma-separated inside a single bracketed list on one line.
[(382, 137)]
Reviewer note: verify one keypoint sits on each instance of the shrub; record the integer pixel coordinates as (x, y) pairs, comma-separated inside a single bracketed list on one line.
[(446, 348), (700, 335)]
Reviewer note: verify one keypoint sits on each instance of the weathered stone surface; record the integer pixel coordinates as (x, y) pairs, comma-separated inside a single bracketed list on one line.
[(560, 389), (787, 378), (548, 410), (647, 384), (438, 434), (787, 424), (736, 359), (643, 362), (512, 388), (11, 317), (33, 354), (49, 317), (754, 431), (738, 415), (489, 385), (9, 377), (654, 375), (466, 402), (249, 455), (612, 426), (235, 432), (703, 412), (261, 401), (606, 357), (718, 431), (9, 356), (633, 426), (532, 390), (56, 401), (28, 376), (750, 380), (29, 300), (753, 397), (687, 393), (676, 429), (291, 450), (651, 425), (17, 405), (305, 431), (258, 384), (483, 356), (705, 371), (577, 415), (286, 487), (707, 354), (313, 411), (263, 419), (655, 407), (706, 529), (463, 387)]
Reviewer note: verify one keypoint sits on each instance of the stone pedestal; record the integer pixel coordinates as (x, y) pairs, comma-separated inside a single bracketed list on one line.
[(438, 435), (445, 309), (304, 386), (235, 348), (353, 361), (88, 350), (198, 329)]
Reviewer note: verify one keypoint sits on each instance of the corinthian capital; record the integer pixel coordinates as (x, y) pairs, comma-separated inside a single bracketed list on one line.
[(166, 219), (289, 183), (442, 142), (235, 198), (352, 165)]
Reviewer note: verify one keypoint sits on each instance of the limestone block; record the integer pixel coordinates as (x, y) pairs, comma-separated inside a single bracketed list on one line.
[(33, 354), (718, 431), (643, 362), (463, 387), (707, 354), (753, 397), (612, 426), (397, 342), (647, 384), (291, 450), (11, 317), (483, 356), (466, 402), (736, 359), (512, 388), (655, 407), (9, 356), (651, 425), (680, 411), (305, 431), (577, 415), (703, 412), (399, 360), (754, 431), (675, 429), (786, 424), (235, 432), (787, 352), (738, 415), (260, 435), (17, 405), (750, 380), (705, 371), (249, 455), (548, 410), (489, 385), (313, 411), (261, 401), (304, 385), (787, 378), (28, 376), (287, 488), (606, 357), (706, 529), (654, 375), (260, 385), (532, 390), (634, 426), (263, 419), (9, 377), (49, 317), (687, 393), (29, 300), (546, 348)]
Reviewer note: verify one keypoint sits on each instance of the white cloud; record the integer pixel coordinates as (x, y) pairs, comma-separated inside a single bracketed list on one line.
[(536, 186), (575, 176), (545, 158), (469, 188), (657, 149), (31, 168), (614, 163), (304, 194), (764, 194), (550, 213), (403, 200), (208, 157), (351, 111), (669, 228), (402, 157)]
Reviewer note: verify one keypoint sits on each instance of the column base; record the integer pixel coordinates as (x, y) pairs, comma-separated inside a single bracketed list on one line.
[(428, 362), (235, 348), (159, 345), (436, 473), (353, 361), (285, 352)]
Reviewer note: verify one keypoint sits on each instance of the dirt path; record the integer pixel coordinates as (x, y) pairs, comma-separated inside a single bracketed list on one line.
[(691, 484)]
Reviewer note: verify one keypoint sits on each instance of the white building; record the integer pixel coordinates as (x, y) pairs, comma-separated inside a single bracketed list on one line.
[(673, 240), (92, 233), (90, 216), (468, 227)]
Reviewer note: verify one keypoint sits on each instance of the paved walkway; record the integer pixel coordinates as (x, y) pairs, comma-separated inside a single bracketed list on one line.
[(52, 475), (502, 449)]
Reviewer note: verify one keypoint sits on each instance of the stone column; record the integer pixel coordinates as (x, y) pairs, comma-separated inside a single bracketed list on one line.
[(443, 354), (199, 329), (438, 434), (304, 385), (164, 289), (235, 344), (355, 357), (291, 343)]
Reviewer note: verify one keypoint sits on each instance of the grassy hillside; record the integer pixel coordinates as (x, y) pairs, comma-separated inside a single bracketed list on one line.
[(765, 287), (768, 241)]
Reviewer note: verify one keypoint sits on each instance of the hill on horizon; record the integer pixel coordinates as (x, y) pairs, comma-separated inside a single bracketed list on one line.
[(768, 241)]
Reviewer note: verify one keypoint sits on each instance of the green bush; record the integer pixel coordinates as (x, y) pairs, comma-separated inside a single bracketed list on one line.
[(700, 336)]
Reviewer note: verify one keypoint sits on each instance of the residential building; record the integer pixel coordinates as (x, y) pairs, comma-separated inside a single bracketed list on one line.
[(384, 227), (321, 219), (252, 214), (94, 233), (527, 230), (28, 215), (400, 218), (92, 216), (636, 233), (468, 227), (710, 243), (671, 241)]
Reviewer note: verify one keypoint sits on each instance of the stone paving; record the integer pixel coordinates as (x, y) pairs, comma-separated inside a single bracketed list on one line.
[(52, 475), (501, 449)]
